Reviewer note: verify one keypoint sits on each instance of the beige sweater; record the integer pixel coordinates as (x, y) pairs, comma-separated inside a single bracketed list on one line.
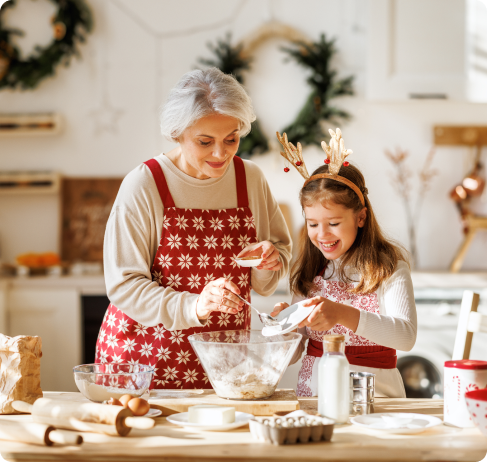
[(134, 230)]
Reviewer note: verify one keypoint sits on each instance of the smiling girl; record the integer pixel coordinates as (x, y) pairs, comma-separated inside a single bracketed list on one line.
[(357, 281)]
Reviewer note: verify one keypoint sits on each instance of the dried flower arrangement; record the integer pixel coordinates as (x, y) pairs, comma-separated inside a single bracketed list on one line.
[(401, 180)]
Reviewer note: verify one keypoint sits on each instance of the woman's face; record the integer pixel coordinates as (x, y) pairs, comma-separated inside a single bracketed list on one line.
[(208, 147), (333, 228)]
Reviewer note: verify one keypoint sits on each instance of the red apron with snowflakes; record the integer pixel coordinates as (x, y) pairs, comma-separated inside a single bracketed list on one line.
[(196, 247), (359, 350)]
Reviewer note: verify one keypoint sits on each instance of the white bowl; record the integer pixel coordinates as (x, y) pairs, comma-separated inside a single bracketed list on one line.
[(289, 319), (248, 263)]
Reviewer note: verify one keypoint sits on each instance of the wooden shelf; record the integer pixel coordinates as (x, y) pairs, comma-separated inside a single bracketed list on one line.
[(460, 135), (12, 125), (29, 183)]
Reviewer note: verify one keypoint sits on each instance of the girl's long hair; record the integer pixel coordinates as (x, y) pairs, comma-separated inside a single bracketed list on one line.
[(372, 255)]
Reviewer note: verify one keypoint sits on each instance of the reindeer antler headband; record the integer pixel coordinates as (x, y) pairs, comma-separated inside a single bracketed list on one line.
[(335, 158)]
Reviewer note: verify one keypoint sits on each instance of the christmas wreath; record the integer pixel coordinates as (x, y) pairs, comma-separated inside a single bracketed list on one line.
[(317, 114), (71, 23)]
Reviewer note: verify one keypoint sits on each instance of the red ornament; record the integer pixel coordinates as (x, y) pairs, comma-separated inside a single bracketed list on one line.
[(298, 163), (346, 164), (327, 161), (286, 169)]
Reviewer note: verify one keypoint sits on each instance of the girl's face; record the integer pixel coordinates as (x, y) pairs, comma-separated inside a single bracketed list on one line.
[(333, 228), (208, 146)]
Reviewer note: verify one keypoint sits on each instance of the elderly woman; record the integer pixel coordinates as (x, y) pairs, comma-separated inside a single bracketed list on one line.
[(178, 223)]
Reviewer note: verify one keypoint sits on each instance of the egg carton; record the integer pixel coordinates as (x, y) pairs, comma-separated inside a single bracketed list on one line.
[(292, 430)]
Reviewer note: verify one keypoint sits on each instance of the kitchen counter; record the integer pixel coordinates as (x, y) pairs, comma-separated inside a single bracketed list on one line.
[(170, 443)]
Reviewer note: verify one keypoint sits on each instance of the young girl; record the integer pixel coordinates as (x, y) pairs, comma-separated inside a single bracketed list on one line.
[(358, 281)]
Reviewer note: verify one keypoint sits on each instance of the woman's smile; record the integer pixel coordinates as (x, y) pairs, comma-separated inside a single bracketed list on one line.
[(216, 164)]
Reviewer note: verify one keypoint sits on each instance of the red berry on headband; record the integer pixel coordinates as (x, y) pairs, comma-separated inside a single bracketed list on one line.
[(346, 164), (298, 163), (286, 169), (327, 161)]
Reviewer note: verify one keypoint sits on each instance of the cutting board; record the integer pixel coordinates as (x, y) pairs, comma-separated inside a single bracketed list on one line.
[(174, 401)]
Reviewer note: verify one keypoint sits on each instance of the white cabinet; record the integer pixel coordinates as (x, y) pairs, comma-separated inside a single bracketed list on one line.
[(427, 49), (55, 316)]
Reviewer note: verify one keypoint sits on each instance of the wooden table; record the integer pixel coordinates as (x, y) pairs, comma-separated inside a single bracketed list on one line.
[(168, 443)]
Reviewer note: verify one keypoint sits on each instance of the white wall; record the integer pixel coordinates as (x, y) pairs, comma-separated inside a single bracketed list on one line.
[(133, 58)]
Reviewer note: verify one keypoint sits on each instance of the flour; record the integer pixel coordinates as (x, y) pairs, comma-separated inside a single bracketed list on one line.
[(99, 393), (246, 381)]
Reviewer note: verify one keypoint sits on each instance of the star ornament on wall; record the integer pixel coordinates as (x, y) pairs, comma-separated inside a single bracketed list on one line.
[(105, 118)]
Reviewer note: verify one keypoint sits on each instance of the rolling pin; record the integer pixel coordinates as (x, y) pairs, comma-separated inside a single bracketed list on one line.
[(89, 417), (37, 433)]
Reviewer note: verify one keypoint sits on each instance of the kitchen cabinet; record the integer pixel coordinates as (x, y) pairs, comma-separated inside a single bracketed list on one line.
[(49, 307), (53, 315), (427, 49)]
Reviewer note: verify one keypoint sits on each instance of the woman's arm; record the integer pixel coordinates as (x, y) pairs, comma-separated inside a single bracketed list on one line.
[(270, 226), (129, 281), (132, 236)]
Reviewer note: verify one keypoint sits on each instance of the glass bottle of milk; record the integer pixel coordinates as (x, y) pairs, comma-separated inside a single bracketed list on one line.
[(334, 379)]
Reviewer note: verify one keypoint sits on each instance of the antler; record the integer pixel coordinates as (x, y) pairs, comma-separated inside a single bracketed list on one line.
[(293, 154), (336, 152)]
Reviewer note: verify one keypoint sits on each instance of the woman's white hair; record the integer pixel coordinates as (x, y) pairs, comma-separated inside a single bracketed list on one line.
[(202, 93)]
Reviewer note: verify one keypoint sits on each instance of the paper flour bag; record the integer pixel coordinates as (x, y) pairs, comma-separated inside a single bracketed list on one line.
[(20, 370)]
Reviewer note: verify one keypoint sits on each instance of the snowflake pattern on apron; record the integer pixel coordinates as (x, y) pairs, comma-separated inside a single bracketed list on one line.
[(196, 247), (336, 292)]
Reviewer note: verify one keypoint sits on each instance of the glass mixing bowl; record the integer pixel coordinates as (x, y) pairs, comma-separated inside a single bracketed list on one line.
[(100, 382), (243, 364)]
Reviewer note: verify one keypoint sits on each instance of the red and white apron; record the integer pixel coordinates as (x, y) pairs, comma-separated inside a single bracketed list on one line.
[(359, 351), (196, 247)]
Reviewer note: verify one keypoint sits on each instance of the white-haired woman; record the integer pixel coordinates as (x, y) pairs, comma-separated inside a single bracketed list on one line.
[(177, 225)]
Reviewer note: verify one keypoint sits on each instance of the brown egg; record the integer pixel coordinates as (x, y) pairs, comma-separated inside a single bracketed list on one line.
[(139, 406), (114, 402), (124, 400)]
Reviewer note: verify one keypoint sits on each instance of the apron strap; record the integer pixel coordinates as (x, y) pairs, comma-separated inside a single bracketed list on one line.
[(161, 183), (241, 180)]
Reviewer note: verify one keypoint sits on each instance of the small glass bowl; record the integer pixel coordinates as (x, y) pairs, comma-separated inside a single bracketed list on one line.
[(100, 382)]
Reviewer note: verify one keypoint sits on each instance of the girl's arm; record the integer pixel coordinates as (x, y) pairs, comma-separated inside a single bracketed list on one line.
[(396, 328)]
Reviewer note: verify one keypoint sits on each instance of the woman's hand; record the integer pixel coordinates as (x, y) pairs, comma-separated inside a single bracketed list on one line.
[(278, 307), (328, 314), (266, 249), (219, 295)]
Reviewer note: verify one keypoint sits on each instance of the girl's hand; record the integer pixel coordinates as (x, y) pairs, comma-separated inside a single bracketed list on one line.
[(323, 317), (278, 308), (266, 249), (328, 314), (218, 295)]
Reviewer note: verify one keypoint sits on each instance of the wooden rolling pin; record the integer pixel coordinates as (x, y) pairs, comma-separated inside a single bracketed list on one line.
[(37, 433), (89, 417)]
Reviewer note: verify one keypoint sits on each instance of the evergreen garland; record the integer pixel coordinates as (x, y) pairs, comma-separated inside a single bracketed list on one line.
[(71, 23), (309, 125), (229, 59)]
